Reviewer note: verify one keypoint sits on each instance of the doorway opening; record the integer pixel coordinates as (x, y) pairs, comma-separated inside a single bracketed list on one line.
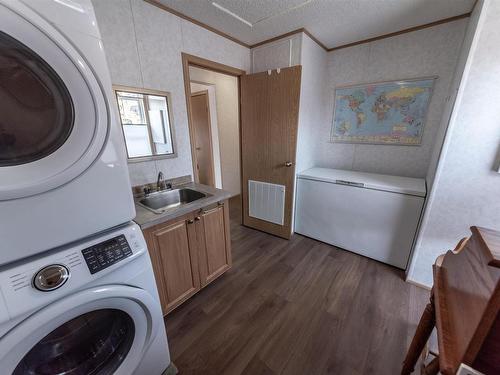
[(213, 104)]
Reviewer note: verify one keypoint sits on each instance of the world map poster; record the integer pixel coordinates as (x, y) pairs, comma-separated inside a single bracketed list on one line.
[(382, 113)]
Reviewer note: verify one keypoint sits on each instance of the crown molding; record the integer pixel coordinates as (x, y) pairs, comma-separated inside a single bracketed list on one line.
[(305, 31), (409, 30), (196, 22)]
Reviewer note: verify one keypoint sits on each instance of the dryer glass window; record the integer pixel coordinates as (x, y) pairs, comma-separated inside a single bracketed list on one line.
[(94, 343), (36, 110)]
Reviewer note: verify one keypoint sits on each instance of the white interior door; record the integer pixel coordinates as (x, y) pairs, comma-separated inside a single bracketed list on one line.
[(101, 331)]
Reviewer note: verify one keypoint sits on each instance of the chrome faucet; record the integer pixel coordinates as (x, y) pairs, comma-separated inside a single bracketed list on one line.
[(160, 182)]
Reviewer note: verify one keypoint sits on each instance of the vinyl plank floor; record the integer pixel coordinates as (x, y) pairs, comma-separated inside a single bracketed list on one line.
[(295, 307)]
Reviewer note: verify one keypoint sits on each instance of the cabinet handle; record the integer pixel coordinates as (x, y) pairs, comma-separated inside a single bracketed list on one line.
[(211, 210), (197, 218), (190, 221)]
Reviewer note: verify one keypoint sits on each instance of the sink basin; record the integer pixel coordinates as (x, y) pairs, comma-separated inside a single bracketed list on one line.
[(168, 199)]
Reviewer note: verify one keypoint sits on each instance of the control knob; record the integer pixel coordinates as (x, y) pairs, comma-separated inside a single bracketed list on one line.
[(50, 277)]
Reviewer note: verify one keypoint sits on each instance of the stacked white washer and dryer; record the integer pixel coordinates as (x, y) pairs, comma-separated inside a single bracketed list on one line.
[(78, 293)]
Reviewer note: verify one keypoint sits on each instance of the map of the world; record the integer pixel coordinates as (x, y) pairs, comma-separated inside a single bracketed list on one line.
[(383, 113)]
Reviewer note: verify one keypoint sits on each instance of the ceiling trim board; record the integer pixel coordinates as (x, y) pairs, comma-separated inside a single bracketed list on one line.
[(234, 15), (273, 39), (396, 33), (290, 33), (196, 22), (305, 31)]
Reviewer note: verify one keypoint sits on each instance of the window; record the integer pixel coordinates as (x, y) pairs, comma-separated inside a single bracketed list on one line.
[(146, 123)]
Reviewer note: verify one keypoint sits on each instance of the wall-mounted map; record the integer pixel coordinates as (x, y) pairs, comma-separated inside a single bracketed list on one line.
[(382, 113)]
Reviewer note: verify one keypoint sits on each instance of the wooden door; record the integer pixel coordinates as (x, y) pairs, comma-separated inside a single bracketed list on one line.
[(175, 260), (214, 243), (200, 117), (269, 121)]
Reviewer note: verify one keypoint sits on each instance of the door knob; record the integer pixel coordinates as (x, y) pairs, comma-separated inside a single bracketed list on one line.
[(288, 164)]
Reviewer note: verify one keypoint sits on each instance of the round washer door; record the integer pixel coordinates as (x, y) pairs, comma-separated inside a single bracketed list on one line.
[(97, 331), (55, 116)]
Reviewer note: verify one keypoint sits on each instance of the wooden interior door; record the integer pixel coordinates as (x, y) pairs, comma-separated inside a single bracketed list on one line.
[(269, 121), (200, 117)]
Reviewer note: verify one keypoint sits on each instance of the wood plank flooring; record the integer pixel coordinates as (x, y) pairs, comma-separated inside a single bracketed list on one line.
[(296, 307)]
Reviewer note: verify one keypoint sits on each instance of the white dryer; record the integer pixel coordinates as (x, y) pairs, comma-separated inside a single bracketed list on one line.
[(89, 308), (63, 172)]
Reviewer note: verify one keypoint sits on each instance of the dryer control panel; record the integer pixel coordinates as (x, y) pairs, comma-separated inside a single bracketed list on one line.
[(107, 253)]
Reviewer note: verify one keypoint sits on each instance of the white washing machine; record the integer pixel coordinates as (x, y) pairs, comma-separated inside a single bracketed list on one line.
[(63, 172), (89, 308)]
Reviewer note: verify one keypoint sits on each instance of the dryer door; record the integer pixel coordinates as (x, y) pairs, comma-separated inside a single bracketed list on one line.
[(54, 114), (101, 331)]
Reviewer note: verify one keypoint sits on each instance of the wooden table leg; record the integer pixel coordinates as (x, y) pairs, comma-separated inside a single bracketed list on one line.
[(422, 334), (432, 368)]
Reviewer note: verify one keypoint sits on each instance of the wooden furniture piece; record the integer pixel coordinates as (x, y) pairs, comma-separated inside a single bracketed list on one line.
[(189, 252), (464, 307), (269, 122)]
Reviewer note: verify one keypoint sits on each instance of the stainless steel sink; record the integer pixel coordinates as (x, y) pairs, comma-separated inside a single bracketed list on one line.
[(165, 200)]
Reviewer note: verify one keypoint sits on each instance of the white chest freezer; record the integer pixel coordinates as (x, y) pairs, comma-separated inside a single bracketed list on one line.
[(370, 214)]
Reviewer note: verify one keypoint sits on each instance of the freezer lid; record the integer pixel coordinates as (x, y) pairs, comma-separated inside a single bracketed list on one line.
[(396, 184)]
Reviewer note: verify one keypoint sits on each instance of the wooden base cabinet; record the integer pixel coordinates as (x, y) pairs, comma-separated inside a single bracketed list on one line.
[(215, 259), (189, 252)]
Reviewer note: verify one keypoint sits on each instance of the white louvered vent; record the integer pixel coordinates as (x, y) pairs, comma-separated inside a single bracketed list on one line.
[(266, 201)]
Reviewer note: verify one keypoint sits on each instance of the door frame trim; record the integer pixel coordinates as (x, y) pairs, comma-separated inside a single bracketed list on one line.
[(191, 60)]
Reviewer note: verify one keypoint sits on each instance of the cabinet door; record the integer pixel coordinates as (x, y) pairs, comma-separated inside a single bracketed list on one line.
[(175, 245), (214, 243)]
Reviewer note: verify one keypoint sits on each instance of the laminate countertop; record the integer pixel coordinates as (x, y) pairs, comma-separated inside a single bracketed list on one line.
[(146, 218)]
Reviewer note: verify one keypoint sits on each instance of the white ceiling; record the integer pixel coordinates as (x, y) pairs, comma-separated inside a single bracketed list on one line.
[(333, 22)]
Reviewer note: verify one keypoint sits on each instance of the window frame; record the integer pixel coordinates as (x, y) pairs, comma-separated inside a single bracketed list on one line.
[(151, 92)]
